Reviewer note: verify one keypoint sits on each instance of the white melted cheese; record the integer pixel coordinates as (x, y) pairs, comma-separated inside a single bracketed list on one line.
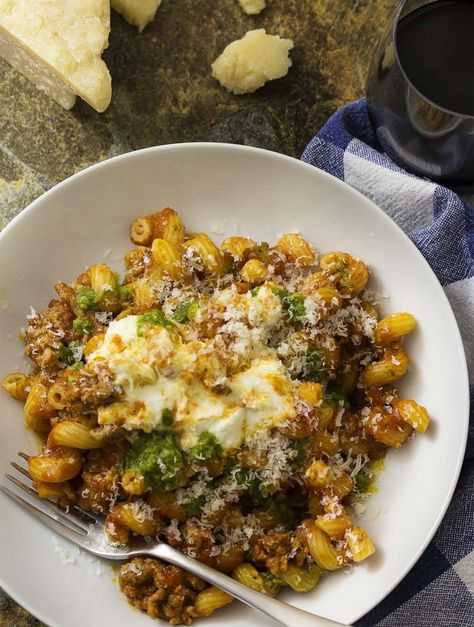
[(133, 359), (158, 371), (265, 392)]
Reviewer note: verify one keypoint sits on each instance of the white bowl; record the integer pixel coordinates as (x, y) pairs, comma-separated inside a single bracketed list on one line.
[(224, 190)]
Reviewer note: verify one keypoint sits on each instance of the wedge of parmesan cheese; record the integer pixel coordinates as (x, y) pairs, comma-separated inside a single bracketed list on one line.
[(252, 7), (57, 44), (139, 13), (248, 63)]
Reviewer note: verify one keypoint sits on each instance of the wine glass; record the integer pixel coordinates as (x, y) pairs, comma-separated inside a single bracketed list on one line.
[(420, 90)]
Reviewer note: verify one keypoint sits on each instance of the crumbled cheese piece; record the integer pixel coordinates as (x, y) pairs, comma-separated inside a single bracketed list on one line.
[(228, 491), (252, 7), (77, 351), (58, 46), (360, 462), (312, 311), (198, 488), (67, 554), (241, 534), (173, 529), (104, 317), (279, 453), (248, 63), (191, 260), (141, 511), (139, 13), (350, 465)]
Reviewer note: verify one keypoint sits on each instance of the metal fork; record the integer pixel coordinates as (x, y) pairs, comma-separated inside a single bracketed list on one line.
[(87, 531)]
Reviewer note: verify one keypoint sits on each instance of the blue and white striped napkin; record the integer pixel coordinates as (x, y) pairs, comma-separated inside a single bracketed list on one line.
[(439, 590)]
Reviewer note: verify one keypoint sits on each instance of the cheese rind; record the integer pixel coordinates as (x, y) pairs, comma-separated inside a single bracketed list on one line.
[(35, 70), (252, 7), (139, 13), (57, 44), (248, 63)]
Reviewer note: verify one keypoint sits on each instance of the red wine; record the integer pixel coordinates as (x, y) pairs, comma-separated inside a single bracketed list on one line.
[(435, 45)]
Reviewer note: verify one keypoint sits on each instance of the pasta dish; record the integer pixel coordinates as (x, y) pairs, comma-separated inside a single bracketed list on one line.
[(235, 402)]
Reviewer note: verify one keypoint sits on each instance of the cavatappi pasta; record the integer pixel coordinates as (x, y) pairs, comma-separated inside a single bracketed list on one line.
[(233, 401)]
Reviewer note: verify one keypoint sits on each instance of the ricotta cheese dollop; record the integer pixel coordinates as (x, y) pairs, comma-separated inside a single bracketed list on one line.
[(158, 371)]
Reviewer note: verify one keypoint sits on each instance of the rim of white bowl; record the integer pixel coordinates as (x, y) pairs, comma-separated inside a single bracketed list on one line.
[(23, 215)]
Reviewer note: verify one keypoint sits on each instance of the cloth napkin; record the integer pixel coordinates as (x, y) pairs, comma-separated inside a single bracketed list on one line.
[(439, 590)]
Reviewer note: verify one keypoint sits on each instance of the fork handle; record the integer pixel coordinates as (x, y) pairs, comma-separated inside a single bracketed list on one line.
[(281, 612)]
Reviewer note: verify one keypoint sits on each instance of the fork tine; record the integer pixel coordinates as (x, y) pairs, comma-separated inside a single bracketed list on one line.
[(21, 485), (90, 519), (73, 509), (49, 521), (20, 469), (23, 455), (76, 526)]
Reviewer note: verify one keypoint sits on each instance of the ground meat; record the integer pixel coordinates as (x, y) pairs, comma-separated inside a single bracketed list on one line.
[(100, 476), (99, 490), (161, 590), (355, 439), (47, 331), (299, 546), (89, 389), (272, 552), (198, 542), (67, 294)]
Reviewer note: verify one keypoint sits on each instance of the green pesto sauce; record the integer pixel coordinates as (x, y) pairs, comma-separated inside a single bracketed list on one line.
[(363, 482), (67, 353), (207, 446), (315, 367), (276, 505), (337, 398), (87, 299), (167, 417), (155, 316), (272, 584), (366, 479), (193, 506), (82, 326), (157, 456), (262, 251), (279, 507), (186, 311), (258, 491), (340, 266), (292, 304), (124, 292), (300, 448)]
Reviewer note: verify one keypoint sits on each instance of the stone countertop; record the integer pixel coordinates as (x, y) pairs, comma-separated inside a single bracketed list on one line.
[(163, 92)]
